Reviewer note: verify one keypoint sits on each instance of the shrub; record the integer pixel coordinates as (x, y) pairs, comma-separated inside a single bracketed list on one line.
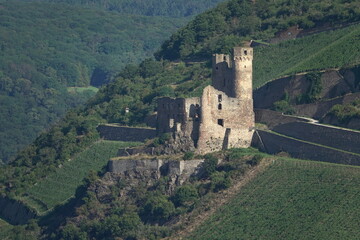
[(185, 196), (219, 181), (157, 209), (209, 165), (188, 155)]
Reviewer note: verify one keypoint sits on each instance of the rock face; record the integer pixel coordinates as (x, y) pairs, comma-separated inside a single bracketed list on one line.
[(147, 171)]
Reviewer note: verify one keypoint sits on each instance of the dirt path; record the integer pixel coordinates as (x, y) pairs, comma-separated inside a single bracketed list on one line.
[(189, 222)]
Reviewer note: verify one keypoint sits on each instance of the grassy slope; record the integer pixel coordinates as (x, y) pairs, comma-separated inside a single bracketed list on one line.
[(62, 185), (331, 49), (293, 199)]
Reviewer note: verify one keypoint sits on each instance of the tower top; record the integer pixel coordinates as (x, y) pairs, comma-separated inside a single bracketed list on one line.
[(243, 53)]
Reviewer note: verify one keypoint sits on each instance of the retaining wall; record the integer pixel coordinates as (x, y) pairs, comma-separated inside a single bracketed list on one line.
[(272, 143), (127, 134), (333, 137)]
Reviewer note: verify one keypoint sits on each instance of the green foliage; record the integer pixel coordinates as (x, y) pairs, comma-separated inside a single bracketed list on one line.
[(344, 113), (185, 196), (188, 155), (251, 20), (209, 165), (48, 47), (287, 198), (219, 181), (157, 208), (171, 8), (314, 90), (284, 107)]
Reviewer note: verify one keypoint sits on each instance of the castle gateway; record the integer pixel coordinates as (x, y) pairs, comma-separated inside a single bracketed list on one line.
[(223, 116)]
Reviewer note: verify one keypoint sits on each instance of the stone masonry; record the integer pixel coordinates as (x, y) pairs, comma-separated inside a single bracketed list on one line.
[(223, 116)]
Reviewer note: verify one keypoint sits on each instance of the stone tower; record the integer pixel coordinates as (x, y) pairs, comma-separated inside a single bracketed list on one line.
[(223, 117), (227, 116)]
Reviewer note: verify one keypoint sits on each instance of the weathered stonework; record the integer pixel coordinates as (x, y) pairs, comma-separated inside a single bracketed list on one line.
[(223, 117)]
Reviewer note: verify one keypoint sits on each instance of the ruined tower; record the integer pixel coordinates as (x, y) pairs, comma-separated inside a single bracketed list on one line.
[(227, 116), (223, 117)]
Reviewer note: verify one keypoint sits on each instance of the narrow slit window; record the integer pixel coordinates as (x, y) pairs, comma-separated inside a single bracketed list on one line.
[(220, 106), (221, 122), (245, 52), (219, 98)]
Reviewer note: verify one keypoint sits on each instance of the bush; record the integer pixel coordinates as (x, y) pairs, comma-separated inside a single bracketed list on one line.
[(219, 181), (188, 155), (157, 209), (209, 165), (185, 196)]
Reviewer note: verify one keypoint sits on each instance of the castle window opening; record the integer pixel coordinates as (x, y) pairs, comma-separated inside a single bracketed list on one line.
[(245, 52), (224, 58), (220, 106), (221, 122), (219, 97)]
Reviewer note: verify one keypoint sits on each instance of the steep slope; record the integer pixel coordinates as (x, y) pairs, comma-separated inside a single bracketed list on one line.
[(291, 200), (138, 87)]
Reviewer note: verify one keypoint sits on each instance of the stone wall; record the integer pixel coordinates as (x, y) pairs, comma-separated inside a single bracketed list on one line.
[(272, 143), (14, 211), (325, 135), (178, 170), (272, 118), (226, 122), (129, 134)]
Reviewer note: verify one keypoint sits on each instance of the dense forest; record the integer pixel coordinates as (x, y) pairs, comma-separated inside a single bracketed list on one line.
[(170, 8), (47, 47), (234, 21), (138, 86)]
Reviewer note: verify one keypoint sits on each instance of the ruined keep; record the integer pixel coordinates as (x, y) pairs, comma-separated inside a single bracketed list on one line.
[(223, 116)]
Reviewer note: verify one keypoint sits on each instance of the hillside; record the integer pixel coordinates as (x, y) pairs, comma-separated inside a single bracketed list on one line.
[(170, 8), (291, 200), (48, 47), (138, 86)]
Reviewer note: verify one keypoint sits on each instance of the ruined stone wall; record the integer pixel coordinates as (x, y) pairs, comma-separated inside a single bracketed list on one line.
[(170, 111), (225, 122), (179, 171), (272, 143), (119, 133)]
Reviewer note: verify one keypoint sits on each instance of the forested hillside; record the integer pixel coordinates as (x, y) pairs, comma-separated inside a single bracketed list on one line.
[(138, 86), (46, 47), (171, 8)]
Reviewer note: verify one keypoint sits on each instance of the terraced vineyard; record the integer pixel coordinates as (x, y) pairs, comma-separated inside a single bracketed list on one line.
[(293, 199), (62, 184), (330, 49)]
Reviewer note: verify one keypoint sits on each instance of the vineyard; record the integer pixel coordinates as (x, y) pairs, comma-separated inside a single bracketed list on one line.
[(61, 185), (293, 199), (332, 49)]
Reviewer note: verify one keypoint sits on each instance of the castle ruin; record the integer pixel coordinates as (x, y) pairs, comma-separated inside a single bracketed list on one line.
[(223, 116)]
